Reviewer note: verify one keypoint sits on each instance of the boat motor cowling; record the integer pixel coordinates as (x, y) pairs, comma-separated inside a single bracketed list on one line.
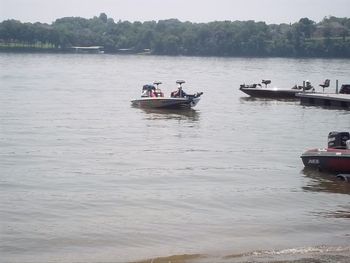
[(337, 140)]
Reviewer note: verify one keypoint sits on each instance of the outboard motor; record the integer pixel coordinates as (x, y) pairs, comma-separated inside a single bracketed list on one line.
[(337, 140)]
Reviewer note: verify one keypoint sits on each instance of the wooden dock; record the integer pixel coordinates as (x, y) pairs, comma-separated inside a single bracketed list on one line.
[(325, 99)]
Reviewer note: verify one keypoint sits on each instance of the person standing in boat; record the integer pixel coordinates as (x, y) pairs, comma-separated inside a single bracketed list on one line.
[(148, 91), (179, 93)]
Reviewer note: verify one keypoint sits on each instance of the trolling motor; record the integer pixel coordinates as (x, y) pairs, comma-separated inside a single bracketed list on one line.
[(196, 95)]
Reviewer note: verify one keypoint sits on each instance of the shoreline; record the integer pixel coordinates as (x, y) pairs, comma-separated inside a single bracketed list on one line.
[(316, 254), (39, 50)]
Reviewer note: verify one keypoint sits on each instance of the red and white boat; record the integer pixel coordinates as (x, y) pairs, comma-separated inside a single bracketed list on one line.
[(335, 158), (153, 97)]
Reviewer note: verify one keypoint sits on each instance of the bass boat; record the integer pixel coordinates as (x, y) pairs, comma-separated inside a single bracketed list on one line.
[(335, 158), (256, 90), (153, 97)]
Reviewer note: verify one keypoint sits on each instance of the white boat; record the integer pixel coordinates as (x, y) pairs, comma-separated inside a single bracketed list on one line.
[(153, 97), (256, 90)]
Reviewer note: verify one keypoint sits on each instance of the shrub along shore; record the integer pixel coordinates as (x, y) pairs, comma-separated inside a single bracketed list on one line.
[(305, 38)]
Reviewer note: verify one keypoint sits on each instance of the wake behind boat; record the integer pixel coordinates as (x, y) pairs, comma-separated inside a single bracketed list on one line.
[(153, 97), (256, 90)]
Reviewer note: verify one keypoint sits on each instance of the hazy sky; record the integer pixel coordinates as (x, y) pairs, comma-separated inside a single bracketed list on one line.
[(270, 11)]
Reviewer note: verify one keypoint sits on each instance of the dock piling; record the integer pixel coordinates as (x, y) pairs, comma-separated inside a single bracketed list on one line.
[(336, 86)]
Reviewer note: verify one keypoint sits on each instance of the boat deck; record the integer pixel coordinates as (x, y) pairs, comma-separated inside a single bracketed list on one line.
[(270, 92)]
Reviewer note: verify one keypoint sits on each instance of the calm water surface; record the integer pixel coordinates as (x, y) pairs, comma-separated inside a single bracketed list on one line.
[(85, 177)]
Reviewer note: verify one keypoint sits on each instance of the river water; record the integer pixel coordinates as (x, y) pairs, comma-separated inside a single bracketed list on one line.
[(85, 177)]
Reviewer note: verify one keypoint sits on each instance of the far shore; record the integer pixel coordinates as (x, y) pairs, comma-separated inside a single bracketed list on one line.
[(52, 50)]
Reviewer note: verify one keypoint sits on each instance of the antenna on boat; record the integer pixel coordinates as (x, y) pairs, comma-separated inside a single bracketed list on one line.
[(157, 83), (180, 82)]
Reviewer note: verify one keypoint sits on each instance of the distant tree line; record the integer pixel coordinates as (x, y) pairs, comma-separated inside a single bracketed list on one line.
[(306, 38)]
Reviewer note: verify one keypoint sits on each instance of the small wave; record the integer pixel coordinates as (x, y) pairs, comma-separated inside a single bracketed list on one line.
[(306, 250), (340, 254), (290, 253), (172, 259)]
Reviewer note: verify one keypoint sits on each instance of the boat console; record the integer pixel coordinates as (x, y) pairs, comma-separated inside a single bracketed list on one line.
[(158, 92)]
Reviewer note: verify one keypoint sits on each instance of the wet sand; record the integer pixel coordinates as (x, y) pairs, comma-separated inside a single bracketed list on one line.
[(321, 254)]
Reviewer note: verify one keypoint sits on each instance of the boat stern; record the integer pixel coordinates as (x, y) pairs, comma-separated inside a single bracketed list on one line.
[(331, 160)]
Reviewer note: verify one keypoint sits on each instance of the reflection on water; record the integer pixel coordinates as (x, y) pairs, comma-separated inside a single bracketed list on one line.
[(245, 99), (343, 212), (177, 114), (325, 182), (334, 108)]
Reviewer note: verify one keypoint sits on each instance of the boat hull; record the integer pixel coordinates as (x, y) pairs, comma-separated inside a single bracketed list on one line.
[(270, 93), (170, 103), (331, 160)]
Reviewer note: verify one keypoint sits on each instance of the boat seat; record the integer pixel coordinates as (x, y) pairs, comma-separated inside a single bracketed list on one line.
[(325, 84), (266, 81)]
